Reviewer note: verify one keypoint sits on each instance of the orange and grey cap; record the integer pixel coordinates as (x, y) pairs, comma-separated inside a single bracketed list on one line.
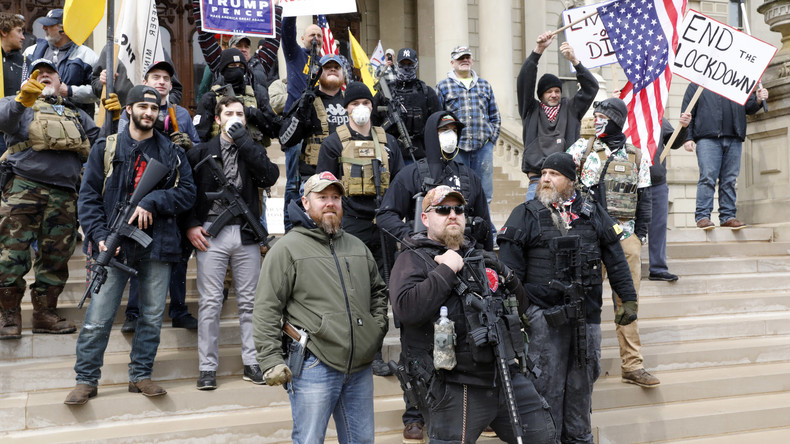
[(436, 195), (318, 182)]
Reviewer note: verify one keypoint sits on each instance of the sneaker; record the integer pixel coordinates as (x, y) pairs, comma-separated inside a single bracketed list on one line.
[(253, 374), (207, 380), (412, 433), (663, 276), (705, 224), (489, 432), (641, 378), (380, 368), (735, 224), (186, 321), (130, 324)]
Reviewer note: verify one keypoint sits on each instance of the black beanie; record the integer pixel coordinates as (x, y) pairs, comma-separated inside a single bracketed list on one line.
[(548, 81), (562, 162), (231, 55), (356, 91)]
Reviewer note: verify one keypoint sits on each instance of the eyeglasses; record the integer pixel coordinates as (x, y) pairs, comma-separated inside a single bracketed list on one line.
[(444, 210)]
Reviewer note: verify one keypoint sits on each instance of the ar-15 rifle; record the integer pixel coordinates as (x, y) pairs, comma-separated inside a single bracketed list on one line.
[(376, 164), (495, 329), (568, 266), (395, 111), (120, 228), (306, 99), (235, 205)]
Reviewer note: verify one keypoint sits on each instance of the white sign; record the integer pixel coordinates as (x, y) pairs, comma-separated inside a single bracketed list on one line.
[(137, 35), (588, 38), (719, 57), (292, 8)]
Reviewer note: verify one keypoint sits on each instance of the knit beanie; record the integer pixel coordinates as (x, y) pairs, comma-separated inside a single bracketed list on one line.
[(562, 162), (548, 81), (356, 91)]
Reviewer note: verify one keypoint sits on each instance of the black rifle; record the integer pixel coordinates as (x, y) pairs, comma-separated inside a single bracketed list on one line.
[(306, 99), (495, 329), (235, 205), (395, 111), (376, 164), (568, 266), (120, 228)]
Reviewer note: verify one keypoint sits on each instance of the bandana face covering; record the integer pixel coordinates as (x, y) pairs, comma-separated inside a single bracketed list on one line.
[(600, 126), (406, 72)]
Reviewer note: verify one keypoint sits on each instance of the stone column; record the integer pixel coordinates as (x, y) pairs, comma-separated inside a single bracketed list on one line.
[(392, 23), (451, 28), (496, 53)]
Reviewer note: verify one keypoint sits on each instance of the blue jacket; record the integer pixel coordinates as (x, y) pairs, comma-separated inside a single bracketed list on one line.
[(182, 116), (74, 70), (296, 60), (175, 195)]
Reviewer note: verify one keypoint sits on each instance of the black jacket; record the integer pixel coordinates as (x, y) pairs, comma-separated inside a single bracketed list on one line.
[(707, 120), (262, 117), (529, 109), (658, 171), (255, 169), (399, 204)]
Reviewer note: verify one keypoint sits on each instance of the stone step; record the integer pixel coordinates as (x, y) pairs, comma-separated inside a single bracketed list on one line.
[(677, 251), (674, 421), (714, 284), (781, 434), (724, 265), (719, 235)]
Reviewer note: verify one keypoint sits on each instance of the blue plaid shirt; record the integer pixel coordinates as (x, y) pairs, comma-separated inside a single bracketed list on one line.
[(475, 107)]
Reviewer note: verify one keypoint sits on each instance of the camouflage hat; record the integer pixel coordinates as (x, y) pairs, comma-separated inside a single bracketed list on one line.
[(318, 182), (436, 195)]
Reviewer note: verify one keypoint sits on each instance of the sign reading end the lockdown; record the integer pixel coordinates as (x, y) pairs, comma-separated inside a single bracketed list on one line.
[(719, 57), (248, 17)]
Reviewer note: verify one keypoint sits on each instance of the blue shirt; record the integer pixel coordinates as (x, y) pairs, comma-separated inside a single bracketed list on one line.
[(475, 107)]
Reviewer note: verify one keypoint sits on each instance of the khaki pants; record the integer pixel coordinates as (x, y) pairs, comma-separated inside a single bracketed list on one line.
[(628, 335)]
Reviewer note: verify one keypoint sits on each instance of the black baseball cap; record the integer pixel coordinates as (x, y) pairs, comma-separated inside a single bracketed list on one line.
[(407, 54), (139, 92), (161, 64), (42, 61)]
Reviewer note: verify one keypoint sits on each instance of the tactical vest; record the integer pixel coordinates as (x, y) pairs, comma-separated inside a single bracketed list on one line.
[(313, 143), (415, 101), (618, 179), (356, 161), (540, 259), (249, 101), (54, 127)]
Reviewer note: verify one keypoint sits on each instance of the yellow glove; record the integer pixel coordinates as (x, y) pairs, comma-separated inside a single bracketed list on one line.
[(113, 105), (277, 375), (30, 91)]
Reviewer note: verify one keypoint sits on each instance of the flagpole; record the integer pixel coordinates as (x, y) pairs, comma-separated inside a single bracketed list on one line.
[(748, 31), (688, 109), (580, 19), (109, 65)]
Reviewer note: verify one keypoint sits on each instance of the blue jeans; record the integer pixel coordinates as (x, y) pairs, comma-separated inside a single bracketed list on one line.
[(532, 189), (154, 277), (718, 159), (178, 292), (321, 391), (292, 183), (481, 162)]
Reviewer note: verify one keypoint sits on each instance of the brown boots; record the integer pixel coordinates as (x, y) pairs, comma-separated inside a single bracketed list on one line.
[(45, 318), (10, 312)]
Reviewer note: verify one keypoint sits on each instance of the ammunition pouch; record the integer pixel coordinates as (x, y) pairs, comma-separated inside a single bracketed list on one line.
[(559, 315), (249, 101), (357, 162), (309, 154), (54, 127)]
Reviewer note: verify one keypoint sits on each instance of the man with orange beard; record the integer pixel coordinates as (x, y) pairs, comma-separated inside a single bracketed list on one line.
[(333, 318)]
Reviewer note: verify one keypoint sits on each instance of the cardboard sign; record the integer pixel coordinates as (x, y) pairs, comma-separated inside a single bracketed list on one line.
[(588, 38), (719, 57), (247, 17), (292, 8)]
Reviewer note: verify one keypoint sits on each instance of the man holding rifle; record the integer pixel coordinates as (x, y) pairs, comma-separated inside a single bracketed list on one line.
[(556, 244), (102, 191), (485, 383), (227, 231)]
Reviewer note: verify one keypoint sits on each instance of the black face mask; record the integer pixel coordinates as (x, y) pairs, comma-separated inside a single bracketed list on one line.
[(234, 76), (406, 72)]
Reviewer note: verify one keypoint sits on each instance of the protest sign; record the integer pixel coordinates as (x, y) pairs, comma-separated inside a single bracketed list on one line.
[(137, 36), (247, 17), (588, 38), (719, 57), (292, 8)]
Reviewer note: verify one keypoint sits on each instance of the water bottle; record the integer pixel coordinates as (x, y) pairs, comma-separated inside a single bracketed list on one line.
[(444, 342)]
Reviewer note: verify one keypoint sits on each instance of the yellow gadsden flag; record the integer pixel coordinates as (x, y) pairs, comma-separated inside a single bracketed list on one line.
[(362, 62), (80, 18)]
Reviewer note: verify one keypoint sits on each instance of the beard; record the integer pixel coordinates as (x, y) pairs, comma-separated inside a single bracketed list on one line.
[(548, 194), (51, 40), (451, 238), (329, 222), (138, 122), (48, 90), (330, 82)]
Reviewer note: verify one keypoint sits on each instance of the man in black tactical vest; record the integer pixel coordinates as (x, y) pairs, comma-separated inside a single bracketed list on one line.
[(556, 244), (485, 299)]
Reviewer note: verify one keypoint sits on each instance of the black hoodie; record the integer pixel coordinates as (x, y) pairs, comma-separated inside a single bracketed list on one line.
[(399, 203)]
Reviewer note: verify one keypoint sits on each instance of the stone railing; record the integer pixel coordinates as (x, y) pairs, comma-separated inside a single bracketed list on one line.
[(509, 150)]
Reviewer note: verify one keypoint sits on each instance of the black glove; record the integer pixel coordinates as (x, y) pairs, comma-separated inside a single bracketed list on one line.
[(239, 134), (306, 104), (253, 115), (506, 275)]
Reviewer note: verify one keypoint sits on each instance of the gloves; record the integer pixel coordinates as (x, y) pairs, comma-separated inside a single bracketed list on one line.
[(238, 133), (305, 104), (30, 90), (277, 375), (626, 314), (506, 275), (113, 105), (181, 139)]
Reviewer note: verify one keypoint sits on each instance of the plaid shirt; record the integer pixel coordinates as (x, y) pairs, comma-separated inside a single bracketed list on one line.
[(475, 107)]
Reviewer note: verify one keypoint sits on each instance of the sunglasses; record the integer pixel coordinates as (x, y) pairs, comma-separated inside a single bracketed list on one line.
[(444, 210)]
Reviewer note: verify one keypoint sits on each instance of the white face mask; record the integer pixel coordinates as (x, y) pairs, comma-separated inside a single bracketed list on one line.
[(230, 122), (600, 125), (361, 115), (448, 140)]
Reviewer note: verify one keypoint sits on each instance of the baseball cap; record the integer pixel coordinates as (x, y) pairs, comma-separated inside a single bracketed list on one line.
[(53, 17), (318, 182), (407, 54), (449, 119), (460, 51), (38, 62), (331, 58), (138, 94), (238, 38), (436, 195), (161, 64)]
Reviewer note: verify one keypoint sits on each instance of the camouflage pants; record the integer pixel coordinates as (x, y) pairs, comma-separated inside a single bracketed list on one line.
[(31, 211)]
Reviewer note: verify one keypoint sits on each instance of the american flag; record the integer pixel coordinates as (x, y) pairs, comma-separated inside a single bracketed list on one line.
[(329, 46), (644, 35)]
